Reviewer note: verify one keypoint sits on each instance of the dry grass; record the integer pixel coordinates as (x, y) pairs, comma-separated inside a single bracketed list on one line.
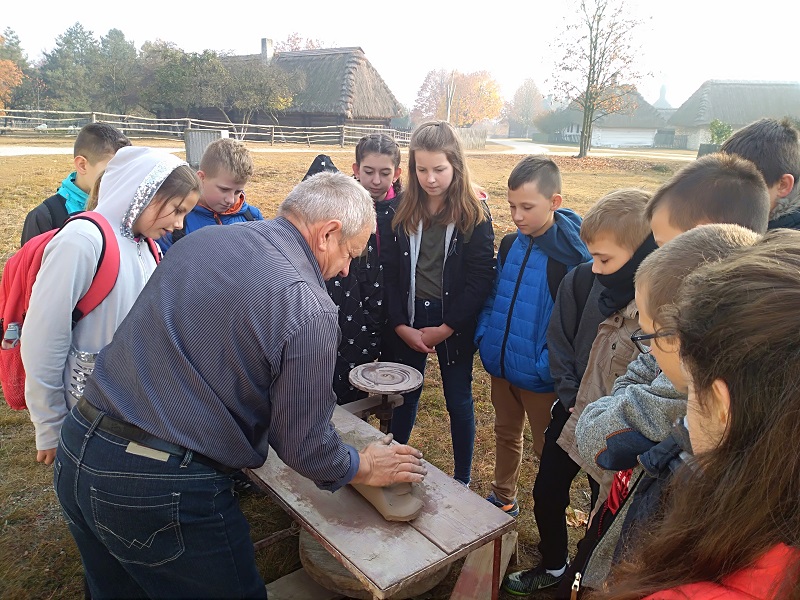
[(38, 558)]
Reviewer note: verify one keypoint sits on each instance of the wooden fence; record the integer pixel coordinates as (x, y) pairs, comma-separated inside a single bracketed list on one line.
[(40, 122)]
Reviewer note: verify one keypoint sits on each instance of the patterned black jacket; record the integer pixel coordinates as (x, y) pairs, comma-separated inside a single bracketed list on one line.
[(360, 299)]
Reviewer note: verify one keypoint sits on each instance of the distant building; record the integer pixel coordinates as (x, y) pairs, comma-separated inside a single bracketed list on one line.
[(736, 103), (634, 126), (341, 88)]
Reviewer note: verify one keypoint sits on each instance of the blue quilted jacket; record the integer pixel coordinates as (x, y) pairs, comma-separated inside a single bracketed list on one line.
[(200, 217), (512, 328)]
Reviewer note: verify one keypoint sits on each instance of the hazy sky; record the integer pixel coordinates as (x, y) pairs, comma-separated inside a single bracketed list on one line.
[(685, 41)]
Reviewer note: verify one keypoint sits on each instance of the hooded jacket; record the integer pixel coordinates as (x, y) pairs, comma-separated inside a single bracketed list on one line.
[(787, 212), (57, 358), (466, 281), (512, 329), (201, 216)]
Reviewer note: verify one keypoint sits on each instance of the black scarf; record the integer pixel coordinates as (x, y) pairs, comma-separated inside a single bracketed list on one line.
[(618, 288)]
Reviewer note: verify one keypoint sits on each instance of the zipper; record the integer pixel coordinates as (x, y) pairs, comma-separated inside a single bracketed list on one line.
[(576, 584), (511, 309), (576, 587), (453, 243), (141, 260)]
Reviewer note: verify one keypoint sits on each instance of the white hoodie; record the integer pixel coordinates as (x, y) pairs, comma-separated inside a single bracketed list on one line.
[(58, 359)]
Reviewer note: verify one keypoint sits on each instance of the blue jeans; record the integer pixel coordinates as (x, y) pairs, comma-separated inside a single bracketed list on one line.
[(457, 383), (147, 528)]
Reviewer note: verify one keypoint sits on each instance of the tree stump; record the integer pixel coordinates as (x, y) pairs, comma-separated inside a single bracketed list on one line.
[(330, 574)]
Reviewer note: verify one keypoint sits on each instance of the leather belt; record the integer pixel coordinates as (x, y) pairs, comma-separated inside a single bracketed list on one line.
[(132, 433)]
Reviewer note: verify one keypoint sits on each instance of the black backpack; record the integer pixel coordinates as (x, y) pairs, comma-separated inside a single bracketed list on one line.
[(57, 207), (321, 163)]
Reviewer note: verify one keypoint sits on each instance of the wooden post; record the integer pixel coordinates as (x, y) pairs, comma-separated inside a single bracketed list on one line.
[(94, 117), (341, 138), (272, 136)]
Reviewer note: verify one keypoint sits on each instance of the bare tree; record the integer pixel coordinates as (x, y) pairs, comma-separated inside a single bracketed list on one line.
[(597, 70), (526, 106)]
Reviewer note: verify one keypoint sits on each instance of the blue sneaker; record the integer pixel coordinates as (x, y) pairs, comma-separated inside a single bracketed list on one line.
[(512, 510)]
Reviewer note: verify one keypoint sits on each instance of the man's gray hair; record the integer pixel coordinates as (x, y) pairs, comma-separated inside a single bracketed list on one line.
[(331, 196)]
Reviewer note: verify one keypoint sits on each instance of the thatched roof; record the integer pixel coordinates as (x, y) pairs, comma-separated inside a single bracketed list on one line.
[(638, 114), (339, 81), (738, 103)]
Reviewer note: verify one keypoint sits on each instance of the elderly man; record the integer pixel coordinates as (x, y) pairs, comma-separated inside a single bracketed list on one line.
[(230, 348)]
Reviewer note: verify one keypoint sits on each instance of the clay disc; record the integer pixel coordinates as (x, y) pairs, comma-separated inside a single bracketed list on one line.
[(385, 378)]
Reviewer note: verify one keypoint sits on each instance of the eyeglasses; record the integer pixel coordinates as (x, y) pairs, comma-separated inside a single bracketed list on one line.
[(640, 338)]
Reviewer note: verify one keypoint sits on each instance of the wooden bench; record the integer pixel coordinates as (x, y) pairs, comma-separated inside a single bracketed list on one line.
[(384, 556)]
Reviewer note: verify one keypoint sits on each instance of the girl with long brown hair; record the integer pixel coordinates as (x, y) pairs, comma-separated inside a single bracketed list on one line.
[(439, 270), (730, 526)]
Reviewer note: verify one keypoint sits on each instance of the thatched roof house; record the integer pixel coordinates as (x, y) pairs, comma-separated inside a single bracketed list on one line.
[(736, 103), (634, 126), (341, 87)]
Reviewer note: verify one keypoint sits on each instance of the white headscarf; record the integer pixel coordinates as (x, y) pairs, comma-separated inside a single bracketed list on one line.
[(129, 183)]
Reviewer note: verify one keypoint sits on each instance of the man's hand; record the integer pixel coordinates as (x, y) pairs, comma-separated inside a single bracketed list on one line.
[(46, 456), (383, 463), (413, 339), (433, 336)]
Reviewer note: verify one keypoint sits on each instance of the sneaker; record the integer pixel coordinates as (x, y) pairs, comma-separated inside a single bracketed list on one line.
[(512, 510), (523, 583)]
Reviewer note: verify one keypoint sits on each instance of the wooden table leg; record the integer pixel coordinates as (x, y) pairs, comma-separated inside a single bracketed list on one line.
[(498, 545)]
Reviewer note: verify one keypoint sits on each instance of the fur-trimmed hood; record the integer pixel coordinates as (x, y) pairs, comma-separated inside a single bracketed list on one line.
[(787, 212)]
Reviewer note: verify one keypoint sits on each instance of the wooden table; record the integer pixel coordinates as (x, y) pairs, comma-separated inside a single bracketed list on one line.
[(387, 556)]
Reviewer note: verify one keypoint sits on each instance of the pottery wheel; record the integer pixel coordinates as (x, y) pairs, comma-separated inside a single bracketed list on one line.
[(385, 378)]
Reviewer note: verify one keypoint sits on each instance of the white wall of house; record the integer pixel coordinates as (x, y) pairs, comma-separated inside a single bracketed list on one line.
[(622, 137), (696, 136)]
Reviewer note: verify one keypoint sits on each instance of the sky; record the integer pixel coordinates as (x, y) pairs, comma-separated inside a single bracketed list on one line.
[(683, 42)]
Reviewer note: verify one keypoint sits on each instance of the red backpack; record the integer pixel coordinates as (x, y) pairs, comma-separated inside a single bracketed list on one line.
[(19, 274)]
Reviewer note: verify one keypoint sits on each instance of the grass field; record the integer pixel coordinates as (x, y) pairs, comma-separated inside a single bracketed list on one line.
[(38, 558)]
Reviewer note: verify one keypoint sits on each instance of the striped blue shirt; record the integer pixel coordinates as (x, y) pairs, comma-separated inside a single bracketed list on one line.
[(230, 348)]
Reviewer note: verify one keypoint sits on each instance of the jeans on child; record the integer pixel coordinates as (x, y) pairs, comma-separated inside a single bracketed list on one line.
[(151, 528), (457, 384)]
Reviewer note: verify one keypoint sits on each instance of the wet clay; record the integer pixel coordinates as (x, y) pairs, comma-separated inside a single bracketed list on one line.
[(396, 502)]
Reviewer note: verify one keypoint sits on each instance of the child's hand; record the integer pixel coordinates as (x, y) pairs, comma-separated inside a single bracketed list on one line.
[(413, 339), (432, 336), (46, 456)]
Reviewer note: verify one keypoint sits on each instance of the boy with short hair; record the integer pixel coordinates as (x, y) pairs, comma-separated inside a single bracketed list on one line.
[(641, 410), (774, 147), (95, 145), (589, 342), (511, 330), (225, 169), (717, 188), (646, 458)]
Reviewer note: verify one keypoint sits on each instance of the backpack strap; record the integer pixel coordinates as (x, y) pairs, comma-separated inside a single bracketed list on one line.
[(556, 271), (582, 283), (155, 249), (105, 276), (57, 207), (505, 246), (248, 215)]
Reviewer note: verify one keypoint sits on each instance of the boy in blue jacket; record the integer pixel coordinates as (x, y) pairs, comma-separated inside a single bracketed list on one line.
[(511, 331), (225, 169)]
